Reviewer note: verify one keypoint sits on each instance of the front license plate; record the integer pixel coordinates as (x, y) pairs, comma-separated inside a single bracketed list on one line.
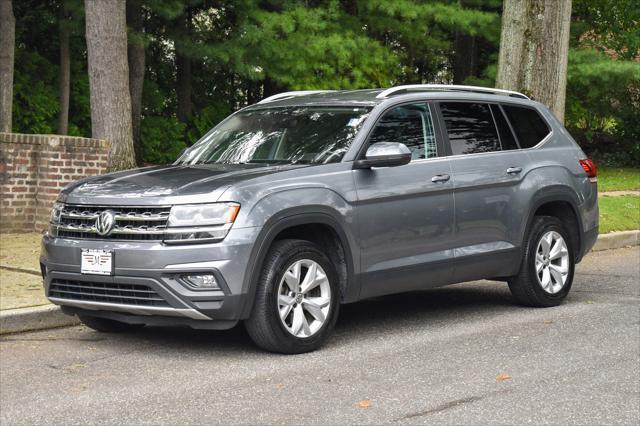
[(98, 262)]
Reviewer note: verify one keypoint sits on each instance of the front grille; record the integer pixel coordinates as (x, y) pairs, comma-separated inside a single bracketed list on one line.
[(122, 294), (131, 223)]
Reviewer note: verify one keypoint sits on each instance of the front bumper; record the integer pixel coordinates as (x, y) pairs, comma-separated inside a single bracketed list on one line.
[(153, 268)]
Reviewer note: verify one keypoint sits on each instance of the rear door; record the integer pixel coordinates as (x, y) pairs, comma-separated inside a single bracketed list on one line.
[(405, 213), (487, 168)]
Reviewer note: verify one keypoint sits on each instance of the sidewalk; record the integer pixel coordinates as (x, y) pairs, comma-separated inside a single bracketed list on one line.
[(23, 305)]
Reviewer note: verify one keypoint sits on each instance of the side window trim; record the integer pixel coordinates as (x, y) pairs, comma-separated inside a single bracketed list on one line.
[(495, 125), (513, 132), (436, 127)]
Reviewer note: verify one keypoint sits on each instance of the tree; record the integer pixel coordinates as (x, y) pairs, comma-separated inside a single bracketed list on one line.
[(106, 34), (64, 77), (7, 45), (534, 50), (136, 57)]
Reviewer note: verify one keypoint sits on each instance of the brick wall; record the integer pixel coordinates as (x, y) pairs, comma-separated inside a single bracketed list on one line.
[(33, 170)]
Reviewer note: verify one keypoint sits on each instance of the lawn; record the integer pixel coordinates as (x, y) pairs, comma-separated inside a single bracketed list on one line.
[(618, 178), (619, 213)]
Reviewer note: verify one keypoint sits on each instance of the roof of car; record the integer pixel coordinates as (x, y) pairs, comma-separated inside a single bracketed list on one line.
[(371, 97)]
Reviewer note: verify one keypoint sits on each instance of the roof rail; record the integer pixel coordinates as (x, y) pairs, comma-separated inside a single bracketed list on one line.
[(292, 94), (445, 87)]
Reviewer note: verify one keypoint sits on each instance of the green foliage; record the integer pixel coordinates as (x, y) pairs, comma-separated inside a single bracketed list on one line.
[(603, 105), (608, 25), (244, 50), (162, 139), (618, 178)]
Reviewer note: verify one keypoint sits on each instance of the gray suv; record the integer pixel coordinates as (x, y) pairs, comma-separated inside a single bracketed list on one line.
[(308, 200)]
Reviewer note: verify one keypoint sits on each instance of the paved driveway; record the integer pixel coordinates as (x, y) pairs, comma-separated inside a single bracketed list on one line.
[(429, 357)]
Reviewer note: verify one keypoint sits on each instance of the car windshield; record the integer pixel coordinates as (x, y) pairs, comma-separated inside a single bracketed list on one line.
[(289, 135)]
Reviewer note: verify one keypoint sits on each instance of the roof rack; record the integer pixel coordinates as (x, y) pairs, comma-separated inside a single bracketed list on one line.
[(292, 94), (446, 87)]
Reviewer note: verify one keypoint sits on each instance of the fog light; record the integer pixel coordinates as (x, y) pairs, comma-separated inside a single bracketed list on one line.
[(201, 281)]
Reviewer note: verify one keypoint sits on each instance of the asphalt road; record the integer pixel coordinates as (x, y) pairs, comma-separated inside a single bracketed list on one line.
[(428, 357)]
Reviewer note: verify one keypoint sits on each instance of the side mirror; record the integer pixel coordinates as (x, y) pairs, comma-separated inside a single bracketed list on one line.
[(384, 154)]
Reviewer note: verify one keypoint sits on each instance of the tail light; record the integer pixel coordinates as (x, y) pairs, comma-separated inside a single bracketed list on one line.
[(590, 168)]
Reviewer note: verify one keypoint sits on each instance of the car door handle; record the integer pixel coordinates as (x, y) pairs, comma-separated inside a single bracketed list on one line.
[(514, 170), (440, 178)]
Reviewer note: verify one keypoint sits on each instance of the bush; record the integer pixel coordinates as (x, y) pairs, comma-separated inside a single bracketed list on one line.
[(162, 139), (603, 106)]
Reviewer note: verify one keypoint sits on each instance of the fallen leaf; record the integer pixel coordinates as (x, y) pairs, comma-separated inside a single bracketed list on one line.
[(280, 386), (365, 403), (548, 322), (503, 377)]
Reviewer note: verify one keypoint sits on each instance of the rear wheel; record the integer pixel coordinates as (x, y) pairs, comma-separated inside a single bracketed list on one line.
[(297, 299), (547, 269), (106, 325)]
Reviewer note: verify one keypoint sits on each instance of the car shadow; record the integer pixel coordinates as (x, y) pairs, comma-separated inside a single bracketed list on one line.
[(435, 306)]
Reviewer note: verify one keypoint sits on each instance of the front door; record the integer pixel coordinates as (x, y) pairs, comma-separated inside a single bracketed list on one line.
[(405, 213)]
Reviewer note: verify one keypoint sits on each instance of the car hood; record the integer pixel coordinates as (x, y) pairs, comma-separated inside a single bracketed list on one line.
[(165, 184)]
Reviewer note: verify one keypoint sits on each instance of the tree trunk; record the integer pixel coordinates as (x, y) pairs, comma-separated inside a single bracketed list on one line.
[(534, 50), (183, 66), (64, 77), (106, 35), (465, 60), (136, 56), (7, 45)]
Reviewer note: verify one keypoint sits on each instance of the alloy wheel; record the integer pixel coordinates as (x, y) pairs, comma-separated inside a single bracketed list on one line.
[(304, 298), (552, 262)]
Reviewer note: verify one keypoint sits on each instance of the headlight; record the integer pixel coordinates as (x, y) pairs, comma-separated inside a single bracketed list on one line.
[(56, 211), (198, 222), (203, 214)]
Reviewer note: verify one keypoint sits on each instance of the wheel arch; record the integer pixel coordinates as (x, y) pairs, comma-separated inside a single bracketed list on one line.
[(553, 201), (294, 218)]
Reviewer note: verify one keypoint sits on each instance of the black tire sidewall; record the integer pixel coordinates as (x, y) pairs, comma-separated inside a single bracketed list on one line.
[(541, 228), (290, 252)]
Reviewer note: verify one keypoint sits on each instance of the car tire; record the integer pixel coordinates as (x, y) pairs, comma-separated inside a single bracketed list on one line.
[(546, 272), (285, 320), (105, 325)]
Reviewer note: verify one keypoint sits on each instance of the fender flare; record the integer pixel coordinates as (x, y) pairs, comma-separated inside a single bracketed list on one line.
[(553, 194), (279, 222)]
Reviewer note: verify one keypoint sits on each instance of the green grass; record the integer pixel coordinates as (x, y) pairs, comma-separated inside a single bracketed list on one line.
[(618, 179), (619, 213)]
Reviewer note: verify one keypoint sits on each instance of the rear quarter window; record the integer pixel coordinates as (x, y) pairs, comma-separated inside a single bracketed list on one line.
[(529, 127)]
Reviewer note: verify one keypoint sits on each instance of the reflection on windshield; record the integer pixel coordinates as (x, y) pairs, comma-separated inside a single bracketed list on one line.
[(290, 135)]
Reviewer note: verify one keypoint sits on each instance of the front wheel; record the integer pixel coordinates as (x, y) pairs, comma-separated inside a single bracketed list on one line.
[(297, 299), (548, 264)]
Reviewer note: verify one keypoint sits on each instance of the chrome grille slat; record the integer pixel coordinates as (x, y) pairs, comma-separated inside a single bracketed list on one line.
[(122, 294), (131, 223)]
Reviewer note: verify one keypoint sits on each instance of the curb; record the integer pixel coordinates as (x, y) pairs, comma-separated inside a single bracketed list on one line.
[(34, 318), (50, 316), (614, 240)]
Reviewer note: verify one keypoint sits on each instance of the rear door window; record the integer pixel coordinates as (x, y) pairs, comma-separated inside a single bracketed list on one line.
[(470, 127), (529, 127)]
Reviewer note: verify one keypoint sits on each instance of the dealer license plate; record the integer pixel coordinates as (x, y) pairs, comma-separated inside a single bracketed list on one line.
[(98, 262)]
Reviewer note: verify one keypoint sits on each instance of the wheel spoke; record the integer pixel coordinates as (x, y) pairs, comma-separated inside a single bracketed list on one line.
[(546, 278), (310, 280), (286, 304), (545, 243), (292, 277), (539, 263), (298, 320), (556, 274), (559, 249), (314, 309)]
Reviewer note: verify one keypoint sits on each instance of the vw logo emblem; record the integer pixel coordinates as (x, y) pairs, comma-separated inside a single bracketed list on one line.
[(105, 222)]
